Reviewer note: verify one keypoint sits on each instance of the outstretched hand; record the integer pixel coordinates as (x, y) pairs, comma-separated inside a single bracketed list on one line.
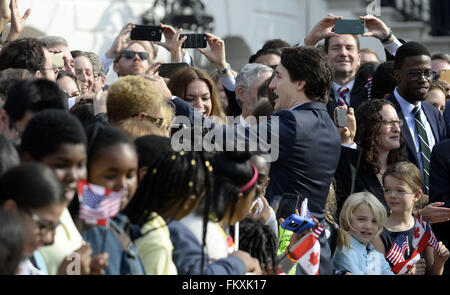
[(322, 30), (376, 27), (216, 55), (172, 42), (435, 213), (121, 42), (18, 22)]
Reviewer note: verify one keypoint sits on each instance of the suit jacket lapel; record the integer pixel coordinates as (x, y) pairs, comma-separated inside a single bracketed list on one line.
[(431, 119)]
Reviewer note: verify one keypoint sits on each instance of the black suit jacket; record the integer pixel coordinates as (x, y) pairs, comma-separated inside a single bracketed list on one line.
[(447, 117), (440, 189), (351, 178), (435, 119)]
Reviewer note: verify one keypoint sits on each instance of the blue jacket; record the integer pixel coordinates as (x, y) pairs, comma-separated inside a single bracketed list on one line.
[(123, 256), (187, 255)]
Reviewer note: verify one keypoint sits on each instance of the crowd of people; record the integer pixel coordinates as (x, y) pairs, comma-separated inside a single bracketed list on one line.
[(109, 179)]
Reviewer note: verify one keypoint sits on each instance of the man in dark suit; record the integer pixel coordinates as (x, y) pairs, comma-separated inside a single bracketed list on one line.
[(307, 141), (343, 52), (424, 125), (440, 190)]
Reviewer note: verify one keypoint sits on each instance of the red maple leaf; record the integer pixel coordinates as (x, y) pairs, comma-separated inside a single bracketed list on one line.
[(416, 232), (314, 258)]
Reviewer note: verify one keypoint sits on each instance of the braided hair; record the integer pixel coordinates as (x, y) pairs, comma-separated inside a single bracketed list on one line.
[(173, 176), (232, 170), (259, 241)]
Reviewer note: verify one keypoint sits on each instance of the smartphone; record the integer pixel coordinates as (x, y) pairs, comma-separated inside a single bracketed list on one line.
[(166, 70), (146, 32), (341, 118), (445, 76), (58, 60), (349, 26), (288, 204), (297, 223), (194, 41)]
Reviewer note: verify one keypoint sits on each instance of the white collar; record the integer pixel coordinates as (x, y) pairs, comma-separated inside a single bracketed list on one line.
[(406, 106), (349, 85)]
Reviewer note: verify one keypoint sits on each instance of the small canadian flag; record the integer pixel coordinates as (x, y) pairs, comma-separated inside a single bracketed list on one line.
[(308, 252)]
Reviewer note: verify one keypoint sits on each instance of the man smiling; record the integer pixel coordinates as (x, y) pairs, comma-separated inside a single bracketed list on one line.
[(425, 126)]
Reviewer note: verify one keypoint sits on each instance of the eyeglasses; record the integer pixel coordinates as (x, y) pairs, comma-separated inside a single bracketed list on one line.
[(157, 121), (414, 75), (54, 68), (392, 123), (131, 54), (44, 226)]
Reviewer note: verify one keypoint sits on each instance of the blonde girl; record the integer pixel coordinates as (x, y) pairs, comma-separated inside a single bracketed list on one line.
[(361, 219)]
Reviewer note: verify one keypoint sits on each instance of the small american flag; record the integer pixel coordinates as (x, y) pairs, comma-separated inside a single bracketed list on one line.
[(433, 242), (397, 252), (98, 204)]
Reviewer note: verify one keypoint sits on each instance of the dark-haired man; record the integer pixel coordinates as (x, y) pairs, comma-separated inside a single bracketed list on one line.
[(424, 125), (30, 54), (308, 141)]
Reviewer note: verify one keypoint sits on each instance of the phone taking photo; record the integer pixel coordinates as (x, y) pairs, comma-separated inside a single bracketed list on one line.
[(288, 204), (341, 118), (194, 40), (349, 26), (166, 70), (146, 32)]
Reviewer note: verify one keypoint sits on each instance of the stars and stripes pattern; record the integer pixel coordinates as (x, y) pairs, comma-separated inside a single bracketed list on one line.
[(398, 249), (425, 150), (98, 204), (342, 94), (432, 241)]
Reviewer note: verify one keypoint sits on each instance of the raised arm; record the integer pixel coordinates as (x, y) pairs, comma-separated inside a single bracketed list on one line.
[(322, 30), (18, 22)]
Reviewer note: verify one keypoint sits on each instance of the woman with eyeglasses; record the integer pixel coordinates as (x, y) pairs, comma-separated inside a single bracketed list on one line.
[(33, 192), (371, 142)]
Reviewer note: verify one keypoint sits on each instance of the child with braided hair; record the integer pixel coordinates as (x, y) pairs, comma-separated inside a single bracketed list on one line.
[(259, 241), (171, 189)]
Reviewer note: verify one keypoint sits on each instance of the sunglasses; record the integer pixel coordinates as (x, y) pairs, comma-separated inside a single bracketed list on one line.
[(131, 54)]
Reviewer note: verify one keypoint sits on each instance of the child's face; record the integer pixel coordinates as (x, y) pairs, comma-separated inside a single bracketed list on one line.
[(69, 165), (116, 168), (398, 195), (364, 226), (35, 235)]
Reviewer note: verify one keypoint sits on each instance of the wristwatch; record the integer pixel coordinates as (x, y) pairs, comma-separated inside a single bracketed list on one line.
[(224, 70), (388, 37)]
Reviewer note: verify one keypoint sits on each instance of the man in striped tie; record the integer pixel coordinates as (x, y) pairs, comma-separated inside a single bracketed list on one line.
[(343, 51), (425, 126)]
